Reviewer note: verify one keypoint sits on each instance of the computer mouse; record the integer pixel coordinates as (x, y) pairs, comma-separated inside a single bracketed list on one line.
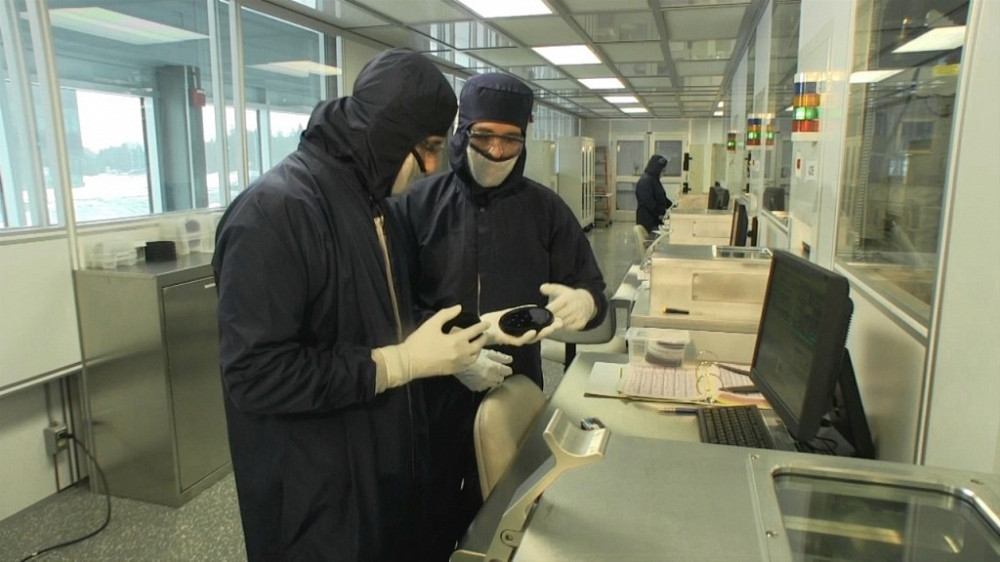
[(463, 320), (518, 321)]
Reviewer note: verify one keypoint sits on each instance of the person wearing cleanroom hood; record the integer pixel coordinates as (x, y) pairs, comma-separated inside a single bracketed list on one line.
[(484, 236), (317, 340)]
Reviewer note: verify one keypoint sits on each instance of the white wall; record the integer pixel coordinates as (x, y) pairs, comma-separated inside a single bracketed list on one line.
[(963, 421)]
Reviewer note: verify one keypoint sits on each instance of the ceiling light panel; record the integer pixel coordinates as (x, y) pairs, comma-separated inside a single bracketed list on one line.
[(869, 76), (511, 56), (417, 11), (465, 35), (506, 8), (561, 86), (542, 30), (703, 22), (617, 26), (603, 83), (937, 39), (120, 27), (634, 109), (641, 51), (563, 55), (588, 71), (621, 99), (298, 68)]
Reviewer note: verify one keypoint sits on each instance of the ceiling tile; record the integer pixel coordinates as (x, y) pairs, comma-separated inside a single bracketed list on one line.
[(701, 68), (629, 70), (417, 11), (588, 71), (338, 13), (610, 27), (465, 35), (640, 51), (538, 31), (690, 24), (654, 82), (510, 56), (404, 37), (561, 86), (707, 81), (460, 59), (583, 6), (705, 49)]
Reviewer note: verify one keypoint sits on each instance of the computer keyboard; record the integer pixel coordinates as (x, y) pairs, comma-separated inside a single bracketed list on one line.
[(742, 426)]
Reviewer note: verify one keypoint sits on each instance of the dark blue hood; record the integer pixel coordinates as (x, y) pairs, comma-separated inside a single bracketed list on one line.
[(399, 98), (656, 165), (490, 97)]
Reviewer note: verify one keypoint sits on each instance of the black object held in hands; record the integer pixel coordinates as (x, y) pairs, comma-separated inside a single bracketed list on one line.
[(518, 321)]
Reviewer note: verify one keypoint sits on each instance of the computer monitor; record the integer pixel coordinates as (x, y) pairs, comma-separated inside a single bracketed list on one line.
[(718, 198), (800, 363), (774, 199), (741, 222)]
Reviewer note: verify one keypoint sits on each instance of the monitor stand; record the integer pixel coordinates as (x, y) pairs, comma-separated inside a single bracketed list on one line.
[(845, 425), (572, 447)]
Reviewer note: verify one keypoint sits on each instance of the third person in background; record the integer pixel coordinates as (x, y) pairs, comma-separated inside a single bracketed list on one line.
[(652, 200)]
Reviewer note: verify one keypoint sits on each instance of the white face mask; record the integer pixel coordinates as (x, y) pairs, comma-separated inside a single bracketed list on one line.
[(408, 172), (486, 172)]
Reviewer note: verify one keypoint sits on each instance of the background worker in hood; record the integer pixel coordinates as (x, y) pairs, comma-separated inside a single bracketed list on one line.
[(486, 237), (651, 199), (317, 344)]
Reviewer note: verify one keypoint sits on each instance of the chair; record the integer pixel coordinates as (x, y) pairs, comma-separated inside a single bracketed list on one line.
[(641, 241), (504, 417), (560, 346)]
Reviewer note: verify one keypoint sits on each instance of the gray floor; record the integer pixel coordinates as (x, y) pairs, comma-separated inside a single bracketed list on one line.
[(207, 527)]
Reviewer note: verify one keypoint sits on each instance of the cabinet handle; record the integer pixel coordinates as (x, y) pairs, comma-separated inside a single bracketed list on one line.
[(210, 286)]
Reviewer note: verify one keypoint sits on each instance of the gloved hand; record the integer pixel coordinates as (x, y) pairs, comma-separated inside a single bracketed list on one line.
[(488, 371), (496, 336), (428, 352), (575, 307)]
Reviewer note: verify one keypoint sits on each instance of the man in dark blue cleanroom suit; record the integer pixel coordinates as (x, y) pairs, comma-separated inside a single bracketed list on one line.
[(328, 439), (652, 200), (486, 237)]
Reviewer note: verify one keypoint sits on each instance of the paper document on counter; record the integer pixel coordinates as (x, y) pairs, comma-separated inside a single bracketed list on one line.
[(645, 381)]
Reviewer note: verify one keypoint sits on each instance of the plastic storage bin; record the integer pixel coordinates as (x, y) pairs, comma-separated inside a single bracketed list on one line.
[(658, 346)]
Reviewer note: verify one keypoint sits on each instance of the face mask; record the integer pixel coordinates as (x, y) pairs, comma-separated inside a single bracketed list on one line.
[(487, 172), (409, 171)]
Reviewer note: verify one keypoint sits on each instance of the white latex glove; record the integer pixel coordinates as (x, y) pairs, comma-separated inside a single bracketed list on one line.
[(488, 371), (496, 336), (575, 307), (428, 352)]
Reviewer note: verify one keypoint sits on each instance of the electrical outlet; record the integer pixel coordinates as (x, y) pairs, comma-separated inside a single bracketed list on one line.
[(55, 438)]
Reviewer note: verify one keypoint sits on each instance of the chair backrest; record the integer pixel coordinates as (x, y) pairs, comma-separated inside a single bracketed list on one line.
[(641, 240), (504, 417)]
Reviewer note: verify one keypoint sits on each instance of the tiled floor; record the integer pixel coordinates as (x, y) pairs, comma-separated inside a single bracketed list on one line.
[(208, 527)]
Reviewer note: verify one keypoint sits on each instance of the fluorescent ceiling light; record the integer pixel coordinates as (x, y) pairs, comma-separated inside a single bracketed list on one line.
[(603, 83), (721, 104), (867, 76), (506, 8), (568, 54), (634, 109), (621, 99), (298, 68), (719, 113), (119, 27), (937, 39)]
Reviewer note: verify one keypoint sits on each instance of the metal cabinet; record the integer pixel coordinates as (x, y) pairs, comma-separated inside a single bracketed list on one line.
[(154, 389)]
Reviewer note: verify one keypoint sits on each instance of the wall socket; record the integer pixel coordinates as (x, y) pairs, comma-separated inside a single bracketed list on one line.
[(55, 438)]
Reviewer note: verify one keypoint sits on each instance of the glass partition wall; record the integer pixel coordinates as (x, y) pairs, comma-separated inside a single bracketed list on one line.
[(899, 129)]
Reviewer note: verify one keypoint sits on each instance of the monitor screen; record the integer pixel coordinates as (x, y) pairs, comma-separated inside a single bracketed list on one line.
[(741, 222), (798, 358), (718, 198)]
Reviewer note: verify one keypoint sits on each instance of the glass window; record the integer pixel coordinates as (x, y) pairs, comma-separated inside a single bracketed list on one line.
[(899, 126)]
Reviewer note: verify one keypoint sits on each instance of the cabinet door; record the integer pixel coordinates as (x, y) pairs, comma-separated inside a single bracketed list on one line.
[(192, 339)]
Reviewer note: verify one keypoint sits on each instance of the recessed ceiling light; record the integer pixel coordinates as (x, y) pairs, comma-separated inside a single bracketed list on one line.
[(506, 8), (868, 76), (299, 68), (603, 83), (719, 113), (119, 27), (568, 54), (721, 104), (634, 109), (937, 39), (621, 99)]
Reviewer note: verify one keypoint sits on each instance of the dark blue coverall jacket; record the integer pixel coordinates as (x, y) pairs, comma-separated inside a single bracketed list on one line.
[(652, 200), (325, 468)]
